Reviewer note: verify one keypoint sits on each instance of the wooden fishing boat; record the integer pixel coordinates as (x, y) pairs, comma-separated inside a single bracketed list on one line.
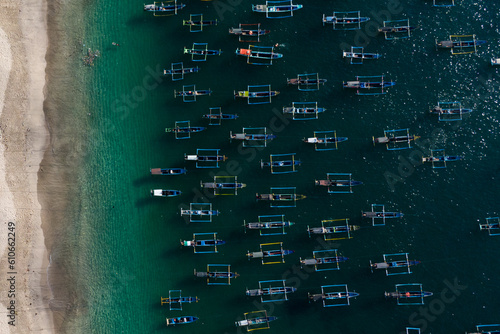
[(164, 193), (174, 7), (181, 320), (279, 197), (167, 171)]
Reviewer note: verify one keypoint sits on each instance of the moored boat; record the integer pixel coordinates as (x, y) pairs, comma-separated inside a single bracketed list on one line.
[(263, 254), (181, 320), (258, 54), (181, 70), (164, 193), (189, 129), (408, 294), (495, 61), (279, 197), (306, 82), (223, 185), (338, 183), (396, 29), (356, 84), (247, 94), (202, 243), (275, 8), (323, 260), (394, 264), (163, 8), (449, 44), (248, 32), (167, 171), (270, 291), (254, 321), (446, 158), (371, 214)]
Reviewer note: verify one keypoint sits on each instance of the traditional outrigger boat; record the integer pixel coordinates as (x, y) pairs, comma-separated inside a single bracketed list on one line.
[(164, 8), (248, 32), (394, 264), (492, 225), (360, 55), (220, 116), (223, 185), (371, 214), (305, 81), (356, 84), (181, 320), (446, 158), (332, 296), (181, 71), (283, 163), (344, 20), (396, 139), (270, 253), (270, 291), (460, 44), (167, 171), (179, 300), (303, 111), (450, 111), (390, 29), (247, 94), (164, 193), (337, 183), (199, 23), (200, 212), (192, 93), (267, 8), (202, 52), (332, 229), (279, 197), (202, 243), (255, 321), (246, 136), (216, 274), (408, 294), (258, 54), (450, 44), (326, 140), (268, 225), (207, 158), (189, 129), (323, 260)]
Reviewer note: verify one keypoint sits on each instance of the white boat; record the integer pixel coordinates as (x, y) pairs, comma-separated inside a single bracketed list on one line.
[(495, 61)]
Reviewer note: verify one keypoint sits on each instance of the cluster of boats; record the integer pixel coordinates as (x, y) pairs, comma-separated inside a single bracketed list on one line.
[(273, 253)]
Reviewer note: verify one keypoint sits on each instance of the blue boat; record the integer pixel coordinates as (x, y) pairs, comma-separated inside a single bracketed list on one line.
[(167, 171), (181, 320), (367, 84), (323, 260), (220, 116), (258, 54), (163, 8), (187, 129), (202, 243), (446, 158), (164, 193)]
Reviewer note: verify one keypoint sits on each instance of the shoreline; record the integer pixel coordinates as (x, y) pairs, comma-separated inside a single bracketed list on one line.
[(24, 139)]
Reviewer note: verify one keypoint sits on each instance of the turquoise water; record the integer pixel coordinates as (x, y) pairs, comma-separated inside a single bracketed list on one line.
[(128, 243)]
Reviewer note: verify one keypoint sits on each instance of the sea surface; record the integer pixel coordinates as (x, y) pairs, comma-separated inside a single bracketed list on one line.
[(123, 245)]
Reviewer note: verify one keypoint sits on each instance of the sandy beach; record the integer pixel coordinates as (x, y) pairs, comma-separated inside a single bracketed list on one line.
[(24, 137)]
